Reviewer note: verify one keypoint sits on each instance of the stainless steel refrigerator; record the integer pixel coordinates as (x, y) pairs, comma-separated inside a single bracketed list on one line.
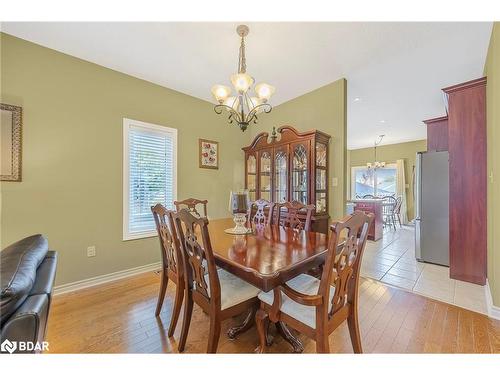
[(431, 190)]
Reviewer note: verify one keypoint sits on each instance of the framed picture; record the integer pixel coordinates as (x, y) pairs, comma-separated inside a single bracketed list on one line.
[(209, 154), (10, 138)]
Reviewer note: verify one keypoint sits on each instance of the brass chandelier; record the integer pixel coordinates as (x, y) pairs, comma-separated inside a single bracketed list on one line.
[(243, 108)]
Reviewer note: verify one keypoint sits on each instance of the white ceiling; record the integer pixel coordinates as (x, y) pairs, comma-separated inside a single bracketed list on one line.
[(396, 69)]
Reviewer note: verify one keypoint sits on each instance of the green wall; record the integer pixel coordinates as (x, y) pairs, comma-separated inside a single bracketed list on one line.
[(390, 154), (322, 109), (72, 156), (492, 71)]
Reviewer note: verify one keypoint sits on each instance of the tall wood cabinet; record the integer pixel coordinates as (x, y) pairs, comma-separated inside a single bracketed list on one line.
[(466, 107), (290, 166)]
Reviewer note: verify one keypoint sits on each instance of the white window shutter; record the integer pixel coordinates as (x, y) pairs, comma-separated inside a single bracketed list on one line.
[(149, 165)]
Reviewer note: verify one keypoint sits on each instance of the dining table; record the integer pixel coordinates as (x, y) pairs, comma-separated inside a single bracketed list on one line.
[(267, 257)]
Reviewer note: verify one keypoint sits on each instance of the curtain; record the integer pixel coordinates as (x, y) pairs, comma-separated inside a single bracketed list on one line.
[(401, 188)]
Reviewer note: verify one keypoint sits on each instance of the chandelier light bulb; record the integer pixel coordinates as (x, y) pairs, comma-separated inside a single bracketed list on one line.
[(220, 92), (255, 101), (264, 91), (241, 82), (232, 102)]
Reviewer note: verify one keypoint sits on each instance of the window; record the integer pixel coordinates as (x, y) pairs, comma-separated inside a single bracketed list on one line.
[(379, 182), (149, 175)]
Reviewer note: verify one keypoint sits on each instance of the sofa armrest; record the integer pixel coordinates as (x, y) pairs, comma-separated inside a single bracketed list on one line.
[(45, 275), (28, 323)]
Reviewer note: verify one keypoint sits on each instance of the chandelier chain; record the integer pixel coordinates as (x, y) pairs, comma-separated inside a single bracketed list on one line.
[(242, 61)]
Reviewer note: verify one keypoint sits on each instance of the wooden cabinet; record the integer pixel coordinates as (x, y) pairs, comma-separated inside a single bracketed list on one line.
[(468, 180), (437, 134), (290, 166)]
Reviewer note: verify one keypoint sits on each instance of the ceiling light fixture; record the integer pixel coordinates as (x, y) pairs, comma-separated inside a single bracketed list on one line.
[(243, 108), (376, 164)]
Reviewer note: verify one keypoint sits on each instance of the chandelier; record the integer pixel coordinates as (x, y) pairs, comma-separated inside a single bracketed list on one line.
[(243, 108), (376, 164)]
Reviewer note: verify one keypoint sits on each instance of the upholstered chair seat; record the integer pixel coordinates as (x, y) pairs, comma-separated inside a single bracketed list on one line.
[(305, 284), (233, 289)]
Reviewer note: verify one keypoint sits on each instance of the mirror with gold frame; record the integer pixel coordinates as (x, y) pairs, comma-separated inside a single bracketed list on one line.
[(10, 142)]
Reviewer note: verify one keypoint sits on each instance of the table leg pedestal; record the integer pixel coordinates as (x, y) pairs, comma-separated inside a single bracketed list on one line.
[(244, 326)]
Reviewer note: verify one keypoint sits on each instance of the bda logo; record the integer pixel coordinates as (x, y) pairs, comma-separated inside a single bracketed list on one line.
[(8, 346)]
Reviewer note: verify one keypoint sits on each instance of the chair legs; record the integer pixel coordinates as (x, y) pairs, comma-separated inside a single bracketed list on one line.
[(353, 324), (261, 321), (214, 334), (188, 312), (179, 296), (322, 344), (163, 289)]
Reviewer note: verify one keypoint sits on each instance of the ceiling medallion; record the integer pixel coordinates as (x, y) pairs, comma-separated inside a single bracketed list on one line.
[(243, 108)]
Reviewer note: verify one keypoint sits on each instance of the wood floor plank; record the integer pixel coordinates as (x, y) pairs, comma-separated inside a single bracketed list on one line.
[(481, 337), (450, 333), (118, 317), (465, 332)]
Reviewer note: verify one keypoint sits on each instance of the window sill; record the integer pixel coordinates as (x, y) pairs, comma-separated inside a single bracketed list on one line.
[(140, 235)]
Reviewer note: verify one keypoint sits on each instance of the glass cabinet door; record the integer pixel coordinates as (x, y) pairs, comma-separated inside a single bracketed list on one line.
[(265, 175), (252, 177), (300, 183), (280, 176), (321, 157)]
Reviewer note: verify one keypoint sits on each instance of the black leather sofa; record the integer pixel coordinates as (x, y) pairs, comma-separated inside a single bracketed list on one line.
[(27, 273)]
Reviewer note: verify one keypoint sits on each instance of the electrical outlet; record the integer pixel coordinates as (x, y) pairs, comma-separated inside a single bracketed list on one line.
[(91, 251), (335, 181)]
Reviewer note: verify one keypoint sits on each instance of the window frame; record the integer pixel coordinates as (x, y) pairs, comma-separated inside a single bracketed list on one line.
[(127, 124), (359, 167)]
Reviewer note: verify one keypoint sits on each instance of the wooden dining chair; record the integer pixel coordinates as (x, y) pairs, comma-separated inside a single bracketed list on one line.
[(171, 262), (288, 214), (257, 212), (219, 293), (317, 307), (191, 204)]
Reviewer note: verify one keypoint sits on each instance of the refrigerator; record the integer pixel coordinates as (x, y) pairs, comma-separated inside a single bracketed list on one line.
[(431, 192)]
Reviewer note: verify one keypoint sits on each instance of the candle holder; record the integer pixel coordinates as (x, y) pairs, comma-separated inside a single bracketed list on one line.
[(238, 206)]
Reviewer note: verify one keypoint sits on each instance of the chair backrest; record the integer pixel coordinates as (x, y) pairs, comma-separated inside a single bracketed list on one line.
[(389, 204), (290, 216), (196, 256), (169, 242), (399, 202), (368, 196), (191, 204), (345, 250), (257, 212)]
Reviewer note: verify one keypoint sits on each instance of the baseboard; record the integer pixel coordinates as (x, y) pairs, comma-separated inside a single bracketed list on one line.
[(93, 281), (493, 311)]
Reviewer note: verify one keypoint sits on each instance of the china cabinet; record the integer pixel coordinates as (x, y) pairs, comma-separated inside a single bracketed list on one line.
[(290, 166)]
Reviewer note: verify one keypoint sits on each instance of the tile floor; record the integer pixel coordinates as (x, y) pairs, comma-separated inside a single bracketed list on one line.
[(392, 260)]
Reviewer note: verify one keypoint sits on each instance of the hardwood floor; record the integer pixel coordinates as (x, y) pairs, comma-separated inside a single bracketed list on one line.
[(119, 317)]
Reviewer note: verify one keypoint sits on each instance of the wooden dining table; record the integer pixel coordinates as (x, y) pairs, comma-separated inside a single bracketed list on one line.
[(267, 258)]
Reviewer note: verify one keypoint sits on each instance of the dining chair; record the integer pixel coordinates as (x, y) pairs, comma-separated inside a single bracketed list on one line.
[(317, 307), (257, 212), (219, 293), (397, 210), (191, 204), (388, 206), (171, 262), (288, 214)]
